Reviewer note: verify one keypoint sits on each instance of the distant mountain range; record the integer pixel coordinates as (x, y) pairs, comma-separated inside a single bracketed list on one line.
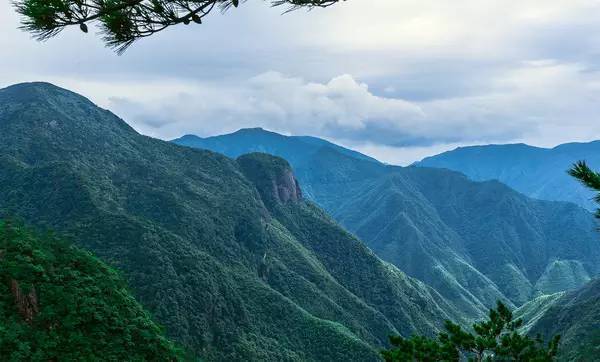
[(234, 259), (540, 173), (227, 254), (475, 242)]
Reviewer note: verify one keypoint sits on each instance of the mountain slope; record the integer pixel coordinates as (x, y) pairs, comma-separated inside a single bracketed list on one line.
[(537, 172), (575, 316), (298, 150), (474, 242), (231, 271), (59, 303)]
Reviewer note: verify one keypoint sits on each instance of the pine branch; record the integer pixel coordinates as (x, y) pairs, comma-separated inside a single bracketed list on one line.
[(122, 22), (587, 177), (583, 173)]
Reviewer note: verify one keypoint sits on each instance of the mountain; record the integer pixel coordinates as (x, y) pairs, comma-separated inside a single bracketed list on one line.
[(540, 173), (227, 254), (292, 148), (574, 315), (59, 303), (474, 242)]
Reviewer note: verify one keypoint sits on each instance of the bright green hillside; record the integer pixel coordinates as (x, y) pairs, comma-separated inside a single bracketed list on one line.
[(59, 303)]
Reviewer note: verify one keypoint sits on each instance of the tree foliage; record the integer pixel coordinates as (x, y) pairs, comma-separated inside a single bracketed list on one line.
[(496, 339), (59, 303), (589, 178), (124, 21)]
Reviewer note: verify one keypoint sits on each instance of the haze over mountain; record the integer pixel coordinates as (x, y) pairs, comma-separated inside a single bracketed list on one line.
[(227, 254), (475, 242), (540, 173)]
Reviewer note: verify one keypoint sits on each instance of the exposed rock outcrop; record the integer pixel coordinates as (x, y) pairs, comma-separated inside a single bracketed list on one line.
[(27, 303), (286, 188), (272, 176)]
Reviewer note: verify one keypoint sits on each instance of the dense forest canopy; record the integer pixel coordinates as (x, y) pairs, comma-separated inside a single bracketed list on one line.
[(59, 303)]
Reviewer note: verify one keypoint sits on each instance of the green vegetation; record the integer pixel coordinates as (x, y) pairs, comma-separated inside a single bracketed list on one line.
[(474, 242), (574, 315), (201, 244), (59, 303), (233, 260), (533, 310), (589, 178), (496, 339), (124, 21)]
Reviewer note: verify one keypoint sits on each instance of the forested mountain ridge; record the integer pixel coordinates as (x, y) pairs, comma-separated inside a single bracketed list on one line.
[(540, 173), (59, 303), (233, 270), (574, 315), (475, 242)]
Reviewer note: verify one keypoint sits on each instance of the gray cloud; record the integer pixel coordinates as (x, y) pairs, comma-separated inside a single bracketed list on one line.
[(531, 101), (438, 74)]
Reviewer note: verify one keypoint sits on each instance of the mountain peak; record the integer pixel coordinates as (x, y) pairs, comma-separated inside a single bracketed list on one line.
[(250, 130), (59, 118), (33, 85), (253, 131), (40, 91), (187, 138)]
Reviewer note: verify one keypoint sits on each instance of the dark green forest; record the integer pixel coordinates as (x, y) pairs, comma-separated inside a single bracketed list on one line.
[(232, 256), (233, 270), (474, 242), (118, 244), (60, 303)]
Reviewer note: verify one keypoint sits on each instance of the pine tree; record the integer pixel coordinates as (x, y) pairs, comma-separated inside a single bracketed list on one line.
[(124, 21), (497, 339), (589, 178)]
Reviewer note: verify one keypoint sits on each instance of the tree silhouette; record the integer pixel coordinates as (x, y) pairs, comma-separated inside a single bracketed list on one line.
[(589, 178), (497, 339), (122, 22)]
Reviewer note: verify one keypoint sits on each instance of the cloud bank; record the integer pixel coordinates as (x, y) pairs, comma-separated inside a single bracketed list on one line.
[(398, 79), (538, 100)]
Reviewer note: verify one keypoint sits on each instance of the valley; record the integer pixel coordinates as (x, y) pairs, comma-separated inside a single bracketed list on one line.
[(228, 252)]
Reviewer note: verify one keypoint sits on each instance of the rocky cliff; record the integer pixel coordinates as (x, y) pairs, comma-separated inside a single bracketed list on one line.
[(273, 177)]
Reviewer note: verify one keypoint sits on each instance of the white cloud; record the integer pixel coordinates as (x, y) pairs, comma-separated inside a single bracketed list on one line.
[(438, 73), (270, 100), (528, 103)]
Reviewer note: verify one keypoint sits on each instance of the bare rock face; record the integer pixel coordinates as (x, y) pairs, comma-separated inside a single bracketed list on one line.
[(286, 188), (27, 304), (273, 178)]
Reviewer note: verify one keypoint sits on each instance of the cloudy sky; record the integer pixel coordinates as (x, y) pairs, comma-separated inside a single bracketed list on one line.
[(397, 79)]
